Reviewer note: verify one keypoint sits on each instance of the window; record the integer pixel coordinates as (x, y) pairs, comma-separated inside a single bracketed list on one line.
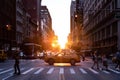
[(108, 31), (103, 33), (114, 28)]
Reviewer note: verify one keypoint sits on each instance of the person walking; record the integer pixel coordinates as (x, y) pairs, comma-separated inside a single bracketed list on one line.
[(95, 60), (16, 64), (104, 62), (117, 60)]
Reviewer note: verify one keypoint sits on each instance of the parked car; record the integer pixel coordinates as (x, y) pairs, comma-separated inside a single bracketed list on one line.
[(71, 58), (3, 55)]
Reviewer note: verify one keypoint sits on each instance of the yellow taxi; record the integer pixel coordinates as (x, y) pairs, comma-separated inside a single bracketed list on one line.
[(71, 58), (3, 55)]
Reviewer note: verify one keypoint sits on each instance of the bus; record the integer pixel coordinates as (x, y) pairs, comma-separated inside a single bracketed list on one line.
[(30, 50)]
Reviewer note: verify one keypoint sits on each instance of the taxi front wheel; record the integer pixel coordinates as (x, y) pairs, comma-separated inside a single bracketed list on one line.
[(72, 61), (51, 61)]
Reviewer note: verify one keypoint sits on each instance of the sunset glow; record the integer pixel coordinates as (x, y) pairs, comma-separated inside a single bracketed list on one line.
[(60, 13), (62, 41)]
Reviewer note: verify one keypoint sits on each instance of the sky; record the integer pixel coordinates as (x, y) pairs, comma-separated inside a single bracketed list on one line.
[(60, 14)]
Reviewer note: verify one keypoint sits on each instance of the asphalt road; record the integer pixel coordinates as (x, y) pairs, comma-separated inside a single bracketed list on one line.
[(39, 70)]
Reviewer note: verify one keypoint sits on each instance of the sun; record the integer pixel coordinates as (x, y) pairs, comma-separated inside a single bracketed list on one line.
[(62, 41)]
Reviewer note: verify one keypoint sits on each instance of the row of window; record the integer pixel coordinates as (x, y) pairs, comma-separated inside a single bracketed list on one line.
[(105, 33), (92, 9), (100, 17), (105, 43)]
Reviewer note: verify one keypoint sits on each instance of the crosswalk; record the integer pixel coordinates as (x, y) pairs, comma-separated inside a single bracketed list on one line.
[(60, 70)]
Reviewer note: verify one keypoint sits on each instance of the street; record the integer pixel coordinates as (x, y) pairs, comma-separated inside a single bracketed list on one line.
[(37, 69)]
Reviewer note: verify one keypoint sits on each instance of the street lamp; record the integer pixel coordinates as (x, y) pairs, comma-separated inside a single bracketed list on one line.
[(8, 26), (75, 17)]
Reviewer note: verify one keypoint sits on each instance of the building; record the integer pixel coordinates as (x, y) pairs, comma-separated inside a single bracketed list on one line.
[(20, 22), (101, 25), (17, 23), (46, 27), (33, 8), (76, 23), (7, 24), (72, 19)]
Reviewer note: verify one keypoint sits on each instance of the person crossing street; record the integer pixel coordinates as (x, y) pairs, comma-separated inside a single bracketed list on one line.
[(16, 64)]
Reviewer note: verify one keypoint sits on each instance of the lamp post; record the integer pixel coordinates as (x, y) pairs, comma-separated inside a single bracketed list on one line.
[(6, 38)]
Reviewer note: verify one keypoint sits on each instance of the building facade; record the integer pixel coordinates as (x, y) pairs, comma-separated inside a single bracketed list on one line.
[(76, 23), (20, 22), (33, 8), (17, 22), (7, 24), (46, 27), (102, 25)]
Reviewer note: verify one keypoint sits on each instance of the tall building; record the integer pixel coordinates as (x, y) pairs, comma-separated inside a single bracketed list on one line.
[(72, 19), (20, 27), (33, 8), (101, 25), (76, 23), (7, 24), (46, 27)]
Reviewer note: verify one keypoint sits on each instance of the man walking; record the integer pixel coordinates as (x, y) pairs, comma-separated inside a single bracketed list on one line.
[(95, 60), (16, 65), (118, 60)]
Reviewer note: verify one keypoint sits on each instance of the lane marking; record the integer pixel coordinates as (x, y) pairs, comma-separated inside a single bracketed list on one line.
[(40, 70), (72, 71), (61, 77), (83, 71), (50, 71), (114, 71), (28, 71), (61, 71), (95, 72), (6, 71)]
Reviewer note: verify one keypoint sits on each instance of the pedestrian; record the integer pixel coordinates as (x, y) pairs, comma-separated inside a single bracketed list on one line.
[(16, 64), (95, 60), (104, 62), (117, 60)]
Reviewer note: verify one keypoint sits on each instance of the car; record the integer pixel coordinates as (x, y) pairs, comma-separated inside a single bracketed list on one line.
[(71, 58), (3, 55)]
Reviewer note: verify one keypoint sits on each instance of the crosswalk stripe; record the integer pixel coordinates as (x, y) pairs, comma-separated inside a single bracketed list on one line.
[(40, 70), (83, 71), (20, 70), (95, 72), (11, 74), (1, 69), (61, 71), (106, 72), (50, 71), (72, 71), (114, 71), (28, 71), (33, 60), (6, 71), (7, 77)]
